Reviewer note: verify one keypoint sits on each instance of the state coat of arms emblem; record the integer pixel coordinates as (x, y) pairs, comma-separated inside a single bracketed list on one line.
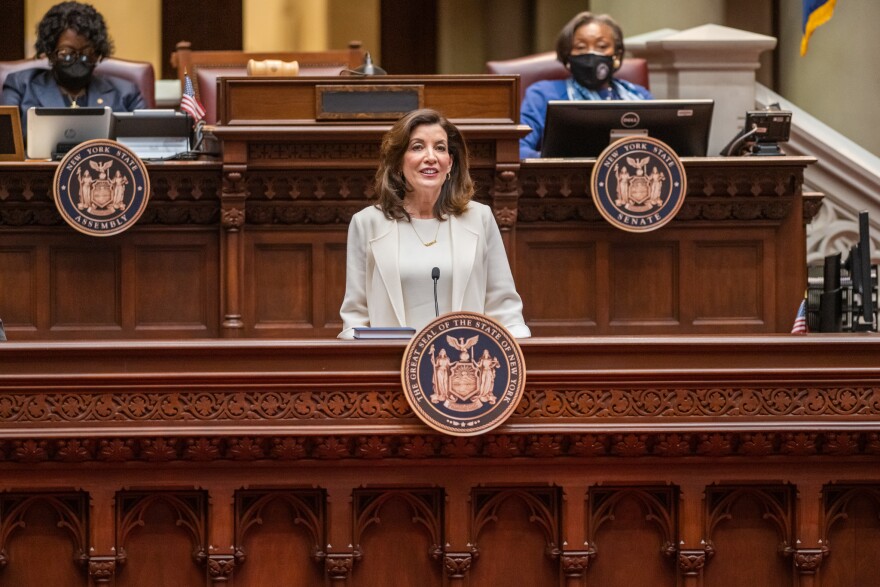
[(463, 374), (638, 184), (101, 188)]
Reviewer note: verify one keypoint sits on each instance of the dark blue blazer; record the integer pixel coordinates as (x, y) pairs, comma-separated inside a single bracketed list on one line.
[(37, 87)]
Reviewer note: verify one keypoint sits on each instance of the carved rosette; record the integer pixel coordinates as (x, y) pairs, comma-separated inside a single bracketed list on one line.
[(457, 564), (576, 562), (234, 194), (691, 562), (505, 194), (232, 217), (338, 566), (102, 569), (808, 560), (220, 567)]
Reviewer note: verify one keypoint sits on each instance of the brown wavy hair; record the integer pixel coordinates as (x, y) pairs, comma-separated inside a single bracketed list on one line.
[(391, 186)]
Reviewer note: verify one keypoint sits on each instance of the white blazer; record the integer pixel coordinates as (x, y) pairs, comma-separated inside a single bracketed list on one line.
[(481, 277)]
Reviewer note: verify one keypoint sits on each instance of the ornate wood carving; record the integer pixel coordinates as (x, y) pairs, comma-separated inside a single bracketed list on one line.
[(102, 569), (746, 401), (338, 566), (808, 560), (692, 561), (425, 504), (837, 499), (561, 194), (69, 509), (543, 504), (220, 568), (190, 507), (457, 564), (178, 196), (658, 504), (776, 501), (307, 506), (576, 562), (333, 446)]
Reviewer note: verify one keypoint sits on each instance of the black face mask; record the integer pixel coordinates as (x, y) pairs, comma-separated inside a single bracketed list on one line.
[(73, 76), (591, 70)]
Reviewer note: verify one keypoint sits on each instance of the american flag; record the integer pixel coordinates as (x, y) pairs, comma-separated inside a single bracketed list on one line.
[(188, 102), (800, 321)]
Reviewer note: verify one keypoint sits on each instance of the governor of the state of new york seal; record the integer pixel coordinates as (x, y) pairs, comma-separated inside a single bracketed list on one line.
[(463, 374), (101, 188), (638, 184)]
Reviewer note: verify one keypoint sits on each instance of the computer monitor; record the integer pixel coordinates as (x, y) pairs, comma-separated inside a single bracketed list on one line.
[(153, 134), (583, 128), (54, 131)]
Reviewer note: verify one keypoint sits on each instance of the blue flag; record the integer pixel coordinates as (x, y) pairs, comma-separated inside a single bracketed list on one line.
[(816, 13)]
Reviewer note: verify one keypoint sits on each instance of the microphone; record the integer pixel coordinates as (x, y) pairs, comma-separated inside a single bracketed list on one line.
[(435, 275), (368, 67)]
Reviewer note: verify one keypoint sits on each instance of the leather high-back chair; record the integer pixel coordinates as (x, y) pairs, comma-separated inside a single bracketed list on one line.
[(205, 67), (541, 66), (140, 73)]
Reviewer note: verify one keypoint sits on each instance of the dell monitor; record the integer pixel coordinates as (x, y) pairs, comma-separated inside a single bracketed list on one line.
[(584, 128)]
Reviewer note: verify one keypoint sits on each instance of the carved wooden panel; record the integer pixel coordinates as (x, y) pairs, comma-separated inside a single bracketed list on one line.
[(515, 535), (396, 525), (19, 269), (633, 524), (161, 537), (852, 526), (569, 263), (643, 284), (84, 287), (294, 285), (280, 536), (39, 527), (174, 281), (737, 272), (750, 530)]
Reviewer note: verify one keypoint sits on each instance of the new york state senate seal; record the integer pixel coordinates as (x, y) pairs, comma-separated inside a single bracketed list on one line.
[(463, 374), (101, 188), (638, 184)]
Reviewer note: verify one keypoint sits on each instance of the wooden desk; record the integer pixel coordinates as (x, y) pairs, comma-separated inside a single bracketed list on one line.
[(657, 461), (253, 246)]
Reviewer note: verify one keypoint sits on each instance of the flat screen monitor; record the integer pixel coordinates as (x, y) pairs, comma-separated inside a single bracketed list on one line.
[(54, 131), (583, 128), (153, 134)]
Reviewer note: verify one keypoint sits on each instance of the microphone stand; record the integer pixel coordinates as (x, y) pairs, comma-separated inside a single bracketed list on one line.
[(435, 275)]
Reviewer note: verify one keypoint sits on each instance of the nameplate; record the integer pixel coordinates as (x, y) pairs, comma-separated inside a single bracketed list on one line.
[(367, 102)]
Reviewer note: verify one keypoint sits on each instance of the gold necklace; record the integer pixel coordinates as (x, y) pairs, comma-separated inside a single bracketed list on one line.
[(73, 98), (418, 236)]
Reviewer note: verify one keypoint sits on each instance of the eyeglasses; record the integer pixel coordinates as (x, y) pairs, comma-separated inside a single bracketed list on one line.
[(68, 56)]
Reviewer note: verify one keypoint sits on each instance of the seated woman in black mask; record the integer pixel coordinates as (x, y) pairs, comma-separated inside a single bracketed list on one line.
[(74, 38), (591, 47)]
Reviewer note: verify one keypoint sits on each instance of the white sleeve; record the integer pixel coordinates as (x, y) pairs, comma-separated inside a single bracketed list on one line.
[(354, 305), (502, 301)]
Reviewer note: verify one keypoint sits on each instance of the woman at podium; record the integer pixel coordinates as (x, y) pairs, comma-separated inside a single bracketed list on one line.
[(590, 46), (426, 234), (74, 38)]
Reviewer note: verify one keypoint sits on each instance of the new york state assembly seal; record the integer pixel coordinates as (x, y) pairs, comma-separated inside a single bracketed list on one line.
[(638, 184), (101, 188), (463, 374)]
